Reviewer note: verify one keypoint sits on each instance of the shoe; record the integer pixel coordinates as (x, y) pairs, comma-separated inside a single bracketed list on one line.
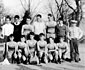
[(5, 62)]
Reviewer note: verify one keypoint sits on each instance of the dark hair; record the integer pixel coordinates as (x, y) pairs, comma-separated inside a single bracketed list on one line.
[(41, 34), (61, 19), (50, 15), (38, 15), (11, 35), (16, 16), (51, 38), (48, 40), (28, 18), (8, 17), (31, 33), (22, 36), (0, 29), (61, 37)]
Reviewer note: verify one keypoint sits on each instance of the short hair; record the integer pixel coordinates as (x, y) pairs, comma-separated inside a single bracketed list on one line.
[(0, 29), (41, 34), (61, 19), (50, 15), (38, 15), (32, 33), (8, 17), (51, 38), (28, 18), (22, 36), (10, 36), (61, 37), (16, 16)]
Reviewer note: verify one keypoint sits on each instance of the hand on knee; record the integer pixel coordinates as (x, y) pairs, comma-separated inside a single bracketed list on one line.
[(24, 58), (19, 55)]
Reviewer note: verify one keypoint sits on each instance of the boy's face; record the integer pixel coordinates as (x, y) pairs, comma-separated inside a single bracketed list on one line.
[(61, 39), (61, 22), (73, 25), (31, 36), (8, 20), (16, 19), (42, 37), (23, 39), (28, 21), (50, 18), (51, 40), (38, 18), (12, 38), (0, 31)]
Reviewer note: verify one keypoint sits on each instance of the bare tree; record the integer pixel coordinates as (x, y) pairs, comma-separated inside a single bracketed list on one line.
[(29, 11), (1, 12), (76, 14)]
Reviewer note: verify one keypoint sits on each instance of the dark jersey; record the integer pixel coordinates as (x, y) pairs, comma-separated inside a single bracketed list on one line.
[(61, 30)]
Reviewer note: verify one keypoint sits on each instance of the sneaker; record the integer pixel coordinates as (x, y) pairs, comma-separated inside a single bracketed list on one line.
[(5, 62)]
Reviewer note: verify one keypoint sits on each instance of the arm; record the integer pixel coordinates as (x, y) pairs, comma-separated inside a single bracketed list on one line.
[(44, 29), (22, 30), (56, 47), (3, 48), (46, 49), (3, 30), (7, 46), (27, 45), (16, 47), (38, 46), (67, 47), (80, 33), (32, 28)]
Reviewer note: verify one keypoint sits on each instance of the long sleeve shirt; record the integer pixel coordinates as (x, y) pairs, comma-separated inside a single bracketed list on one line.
[(75, 32), (7, 29)]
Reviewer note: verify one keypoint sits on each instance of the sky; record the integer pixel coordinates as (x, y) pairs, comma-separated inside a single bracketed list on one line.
[(18, 7)]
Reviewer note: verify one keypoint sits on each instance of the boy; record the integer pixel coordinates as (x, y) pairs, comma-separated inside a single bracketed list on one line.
[(63, 48)]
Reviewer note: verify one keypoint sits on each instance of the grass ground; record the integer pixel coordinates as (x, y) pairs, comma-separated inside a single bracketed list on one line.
[(51, 66)]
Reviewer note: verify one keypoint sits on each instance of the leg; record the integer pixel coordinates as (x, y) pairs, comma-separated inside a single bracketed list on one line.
[(19, 57), (26, 52), (56, 56), (50, 56), (76, 50), (60, 53), (72, 51), (45, 58)]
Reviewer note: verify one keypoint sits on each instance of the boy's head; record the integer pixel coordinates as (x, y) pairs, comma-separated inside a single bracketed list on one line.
[(23, 38), (51, 39), (11, 37), (0, 30), (73, 22), (50, 17), (61, 39), (42, 36), (16, 18), (8, 19), (32, 35), (28, 20), (39, 17)]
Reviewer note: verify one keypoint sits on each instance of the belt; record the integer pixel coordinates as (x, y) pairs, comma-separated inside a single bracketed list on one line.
[(73, 38)]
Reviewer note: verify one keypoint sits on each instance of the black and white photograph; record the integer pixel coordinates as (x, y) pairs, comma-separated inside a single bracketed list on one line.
[(42, 34)]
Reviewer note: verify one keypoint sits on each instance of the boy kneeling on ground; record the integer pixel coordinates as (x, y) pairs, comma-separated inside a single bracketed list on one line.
[(63, 49)]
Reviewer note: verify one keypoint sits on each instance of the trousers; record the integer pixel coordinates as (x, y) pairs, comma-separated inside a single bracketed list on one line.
[(74, 52)]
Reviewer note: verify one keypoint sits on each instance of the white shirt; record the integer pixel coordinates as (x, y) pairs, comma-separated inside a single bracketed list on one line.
[(39, 27), (7, 29), (75, 32)]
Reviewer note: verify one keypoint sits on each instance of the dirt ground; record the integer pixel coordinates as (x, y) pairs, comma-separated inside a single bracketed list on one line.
[(51, 66)]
